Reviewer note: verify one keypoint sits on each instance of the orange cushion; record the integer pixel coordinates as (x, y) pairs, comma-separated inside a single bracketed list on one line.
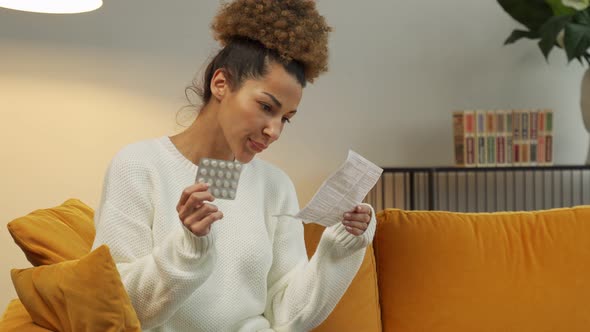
[(358, 310), (504, 271), (17, 319), (55, 234), (85, 294)]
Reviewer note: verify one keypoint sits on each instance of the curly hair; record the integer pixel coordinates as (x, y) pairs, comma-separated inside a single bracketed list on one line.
[(254, 33), (292, 28)]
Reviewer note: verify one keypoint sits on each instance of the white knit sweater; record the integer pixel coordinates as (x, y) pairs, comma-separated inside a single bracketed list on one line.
[(251, 273)]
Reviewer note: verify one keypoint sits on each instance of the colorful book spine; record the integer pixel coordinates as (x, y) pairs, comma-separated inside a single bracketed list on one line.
[(480, 134), (541, 146), (549, 137), (509, 139), (533, 134), (525, 142), (501, 136), (470, 137), (516, 142), (464, 138), (491, 134)]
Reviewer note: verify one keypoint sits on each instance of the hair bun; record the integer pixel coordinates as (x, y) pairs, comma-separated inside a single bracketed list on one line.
[(292, 28)]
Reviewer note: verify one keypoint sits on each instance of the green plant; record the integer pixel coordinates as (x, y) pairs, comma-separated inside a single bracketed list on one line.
[(565, 23)]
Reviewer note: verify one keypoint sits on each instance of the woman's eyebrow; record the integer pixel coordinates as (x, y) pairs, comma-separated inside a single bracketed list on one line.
[(275, 100)]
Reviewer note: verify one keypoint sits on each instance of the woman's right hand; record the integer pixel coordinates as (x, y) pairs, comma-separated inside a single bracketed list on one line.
[(193, 210)]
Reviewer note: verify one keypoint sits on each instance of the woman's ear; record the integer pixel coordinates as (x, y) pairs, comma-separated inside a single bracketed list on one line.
[(219, 84)]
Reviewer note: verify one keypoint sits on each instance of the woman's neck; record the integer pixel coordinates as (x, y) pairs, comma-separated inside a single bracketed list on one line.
[(204, 138)]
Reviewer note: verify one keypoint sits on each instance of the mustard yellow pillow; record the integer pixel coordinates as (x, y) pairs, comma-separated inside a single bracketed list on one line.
[(53, 235), (85, 294), (358, 310), (486, 272), (17, 319)]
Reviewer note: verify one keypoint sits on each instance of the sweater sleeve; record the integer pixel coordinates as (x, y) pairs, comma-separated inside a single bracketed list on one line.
[(159, 278), (303, 293)]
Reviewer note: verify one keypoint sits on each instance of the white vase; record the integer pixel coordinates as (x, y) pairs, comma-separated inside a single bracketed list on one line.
[(585, 105)]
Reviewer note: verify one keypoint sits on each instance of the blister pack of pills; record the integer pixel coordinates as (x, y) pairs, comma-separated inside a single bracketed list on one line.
[(222, 176)]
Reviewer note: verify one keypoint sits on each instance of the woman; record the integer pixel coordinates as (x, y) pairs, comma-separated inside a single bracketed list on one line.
[(190, 262)]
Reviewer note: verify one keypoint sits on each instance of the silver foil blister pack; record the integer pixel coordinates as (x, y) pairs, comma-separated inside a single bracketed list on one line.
[(222, 176)]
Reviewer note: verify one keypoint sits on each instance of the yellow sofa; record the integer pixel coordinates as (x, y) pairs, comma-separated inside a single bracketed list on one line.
[(426, 271)]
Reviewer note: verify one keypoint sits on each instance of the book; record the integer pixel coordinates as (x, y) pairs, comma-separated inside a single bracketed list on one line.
[(481, 137), (541, 138), (491, 134), (533, 137), (516, 142), (548, 137), (501, 136), (525, 142), (509, 139), (464, 138)]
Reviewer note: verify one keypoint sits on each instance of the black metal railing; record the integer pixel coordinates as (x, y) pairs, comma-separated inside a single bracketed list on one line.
[(481, 189)]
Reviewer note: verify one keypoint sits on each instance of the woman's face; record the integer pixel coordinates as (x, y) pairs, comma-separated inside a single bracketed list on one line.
[(253, 117)]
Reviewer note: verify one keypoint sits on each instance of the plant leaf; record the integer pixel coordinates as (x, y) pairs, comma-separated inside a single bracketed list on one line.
[(518, 34), (549, 32), (582, 17), (531, 13), (576, 40), (559, 8)]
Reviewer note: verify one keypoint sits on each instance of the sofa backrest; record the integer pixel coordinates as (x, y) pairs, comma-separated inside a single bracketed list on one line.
[(505, 271)]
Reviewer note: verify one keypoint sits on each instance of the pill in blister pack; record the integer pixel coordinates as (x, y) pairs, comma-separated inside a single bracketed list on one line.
[(221, 175)]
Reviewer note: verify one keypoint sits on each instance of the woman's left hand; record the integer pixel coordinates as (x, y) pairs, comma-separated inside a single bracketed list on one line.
[(357, 220)]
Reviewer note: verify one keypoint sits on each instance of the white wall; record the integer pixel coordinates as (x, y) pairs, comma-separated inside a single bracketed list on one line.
[(75, 88)]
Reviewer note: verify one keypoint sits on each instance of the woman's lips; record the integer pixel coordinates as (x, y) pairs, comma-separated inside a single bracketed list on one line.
[(257, 146)]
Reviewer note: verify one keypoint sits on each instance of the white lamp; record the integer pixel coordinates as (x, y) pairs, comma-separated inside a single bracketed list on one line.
[(52, 6)]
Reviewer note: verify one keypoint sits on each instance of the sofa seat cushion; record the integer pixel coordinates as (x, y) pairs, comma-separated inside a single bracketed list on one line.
[(84, 294), (56, 234), (504, 271), (358, 310)]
